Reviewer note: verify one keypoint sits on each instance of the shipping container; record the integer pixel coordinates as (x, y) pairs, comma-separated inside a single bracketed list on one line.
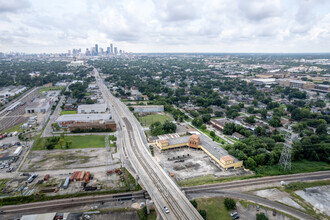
[(66, 183), (82, 175), (76, 177), (72, 176), (87, 177)]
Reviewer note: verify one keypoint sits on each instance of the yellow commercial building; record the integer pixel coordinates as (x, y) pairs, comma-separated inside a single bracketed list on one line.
[(213, 150)]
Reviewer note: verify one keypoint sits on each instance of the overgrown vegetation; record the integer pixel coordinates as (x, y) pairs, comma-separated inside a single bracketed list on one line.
[(229, 203), (158, 128)]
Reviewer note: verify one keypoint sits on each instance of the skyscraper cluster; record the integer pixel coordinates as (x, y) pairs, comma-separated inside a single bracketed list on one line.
[(97, 51)]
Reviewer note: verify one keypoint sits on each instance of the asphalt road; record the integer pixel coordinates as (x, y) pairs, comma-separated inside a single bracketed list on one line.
[(48, 129)]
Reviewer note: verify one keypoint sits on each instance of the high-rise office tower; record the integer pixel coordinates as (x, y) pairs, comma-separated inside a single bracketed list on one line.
[(116, 50), (96, 49), (120, 51), (111, 49), (108, 50), (88, 53)]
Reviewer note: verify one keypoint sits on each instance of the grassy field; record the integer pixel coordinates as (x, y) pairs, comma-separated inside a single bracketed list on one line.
[(303, 166), (15, 128), (215, 209), (149, 119), (88, 141), (46, 89), (152, 215), (303, 185), (209, 179), (3, 184), (68, 112)]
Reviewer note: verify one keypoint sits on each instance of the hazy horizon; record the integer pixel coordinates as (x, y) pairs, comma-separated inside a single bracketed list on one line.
[(271, 26)]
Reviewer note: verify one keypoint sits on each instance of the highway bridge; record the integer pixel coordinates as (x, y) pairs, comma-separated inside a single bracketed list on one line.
[(163, 191)]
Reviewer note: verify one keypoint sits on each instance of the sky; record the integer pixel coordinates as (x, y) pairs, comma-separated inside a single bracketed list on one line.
[(223, 26)]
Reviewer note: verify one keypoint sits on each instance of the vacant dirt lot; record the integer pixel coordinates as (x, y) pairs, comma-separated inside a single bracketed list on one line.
[(64, 159)]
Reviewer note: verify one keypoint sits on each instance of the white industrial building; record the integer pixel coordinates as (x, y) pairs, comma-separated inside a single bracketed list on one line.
[(83, 118), (268, 81), (11, 91), (148, 108), (94, 108), (38, 105)]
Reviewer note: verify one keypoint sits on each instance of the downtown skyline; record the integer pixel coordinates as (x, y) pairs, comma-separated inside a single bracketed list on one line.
[(165, 26)]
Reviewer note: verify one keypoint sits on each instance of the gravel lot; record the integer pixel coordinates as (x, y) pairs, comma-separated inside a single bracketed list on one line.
[(64, 159), (277, 195), (197, 164), (318, 197)]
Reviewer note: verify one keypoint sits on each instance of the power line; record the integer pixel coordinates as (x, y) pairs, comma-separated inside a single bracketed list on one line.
[(285, 159)]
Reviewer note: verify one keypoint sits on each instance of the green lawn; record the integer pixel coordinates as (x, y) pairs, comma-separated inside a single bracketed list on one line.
[(149, 119), (88, 141), (68, 112), (15, 128), (46, 89), (214, 207)]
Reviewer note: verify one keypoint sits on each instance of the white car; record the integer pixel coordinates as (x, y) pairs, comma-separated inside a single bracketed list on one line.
[(166, 210), (233, 213)]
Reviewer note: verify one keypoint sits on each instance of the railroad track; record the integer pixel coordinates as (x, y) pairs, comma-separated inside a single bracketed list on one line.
[(260, 181), (70, 202)]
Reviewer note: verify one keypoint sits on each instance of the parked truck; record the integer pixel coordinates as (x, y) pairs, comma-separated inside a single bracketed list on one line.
[(18, 151), (33, 177)]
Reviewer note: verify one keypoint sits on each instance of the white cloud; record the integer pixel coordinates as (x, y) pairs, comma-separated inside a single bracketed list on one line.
[(166, 25)]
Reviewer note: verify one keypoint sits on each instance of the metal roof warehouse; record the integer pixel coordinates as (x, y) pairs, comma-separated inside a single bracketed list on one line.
[(94, 108), (83, 117)]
